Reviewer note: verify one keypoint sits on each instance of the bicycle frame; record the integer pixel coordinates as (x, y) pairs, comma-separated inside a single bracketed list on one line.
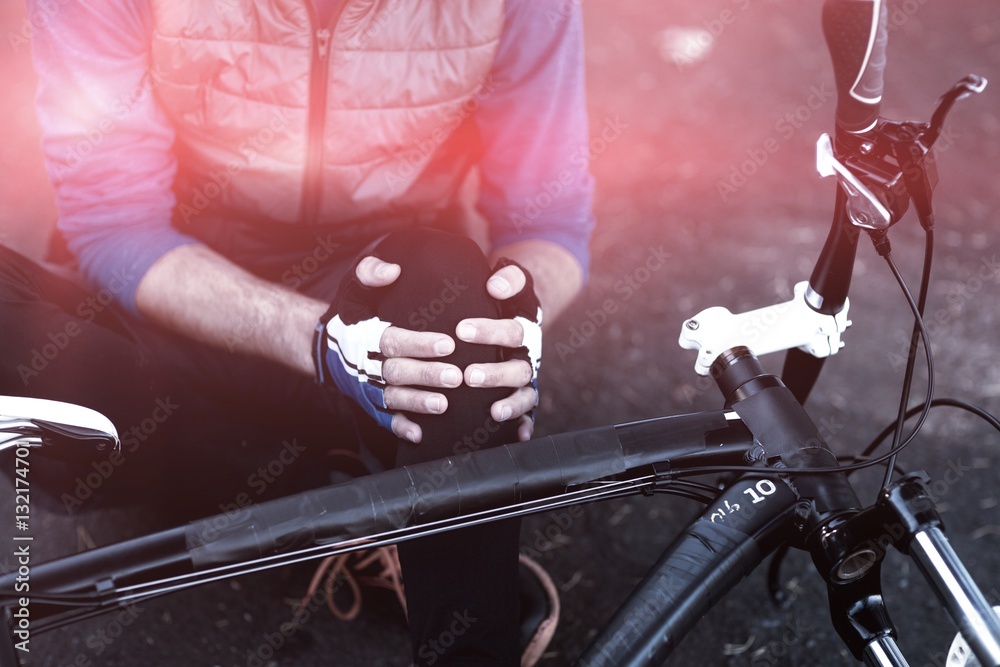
[(741, 525), (790, 490), (763, 426), (481, 486), (403, 503)]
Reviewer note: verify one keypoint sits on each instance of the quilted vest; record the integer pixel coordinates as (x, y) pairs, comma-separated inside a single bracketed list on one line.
[(281, 120)]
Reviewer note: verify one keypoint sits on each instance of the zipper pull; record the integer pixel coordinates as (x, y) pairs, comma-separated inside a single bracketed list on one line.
[(323, 43)]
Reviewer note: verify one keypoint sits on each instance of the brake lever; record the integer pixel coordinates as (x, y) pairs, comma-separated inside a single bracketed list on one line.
[(883, 169), (969, 85), (912, 142), (864, 208)]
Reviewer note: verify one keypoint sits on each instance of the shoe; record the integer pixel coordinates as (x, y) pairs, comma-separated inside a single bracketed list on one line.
[(538, 596), (539, 600), (371, 567)]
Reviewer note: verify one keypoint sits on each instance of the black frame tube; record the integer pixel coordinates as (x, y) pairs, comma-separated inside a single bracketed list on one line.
[(737, 530), (393, 499), (464, 484), (702, 564)]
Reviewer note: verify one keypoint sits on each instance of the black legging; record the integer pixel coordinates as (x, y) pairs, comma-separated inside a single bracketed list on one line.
[(460, 587), (197, 424), (235, 416)]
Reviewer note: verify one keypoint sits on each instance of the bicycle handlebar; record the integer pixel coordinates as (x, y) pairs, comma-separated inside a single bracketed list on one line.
[(856, 34)]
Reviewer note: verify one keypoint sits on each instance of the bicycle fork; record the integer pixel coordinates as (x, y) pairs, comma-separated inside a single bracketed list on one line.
[(848, 553)]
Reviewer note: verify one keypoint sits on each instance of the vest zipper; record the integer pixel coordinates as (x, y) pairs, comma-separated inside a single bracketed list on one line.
[(318, 82)]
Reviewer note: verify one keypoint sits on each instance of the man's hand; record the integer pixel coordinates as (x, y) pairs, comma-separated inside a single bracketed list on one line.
[(517, 374), (198, 293), (404, 367), (406, 351)]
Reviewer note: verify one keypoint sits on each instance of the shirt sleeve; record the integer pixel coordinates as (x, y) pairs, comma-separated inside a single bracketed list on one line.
[(532, 119), (107, 145)]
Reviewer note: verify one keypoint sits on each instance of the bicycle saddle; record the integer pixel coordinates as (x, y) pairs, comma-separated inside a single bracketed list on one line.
[(36, 421)]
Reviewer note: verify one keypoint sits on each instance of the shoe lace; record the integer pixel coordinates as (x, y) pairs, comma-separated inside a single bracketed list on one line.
[(350, 568)]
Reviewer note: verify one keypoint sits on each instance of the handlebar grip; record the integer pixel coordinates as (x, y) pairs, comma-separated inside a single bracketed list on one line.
[(856, 34)]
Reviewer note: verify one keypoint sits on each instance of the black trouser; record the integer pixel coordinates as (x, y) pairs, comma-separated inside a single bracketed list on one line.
[(204, 429)]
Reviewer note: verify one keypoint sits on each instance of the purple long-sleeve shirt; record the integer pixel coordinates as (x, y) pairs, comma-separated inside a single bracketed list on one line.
[(107, 144)]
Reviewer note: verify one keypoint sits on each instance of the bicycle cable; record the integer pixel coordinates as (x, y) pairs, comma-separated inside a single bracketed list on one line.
[(937, 402), (911, 354), (703, 493), (92, 603), (918, 322)]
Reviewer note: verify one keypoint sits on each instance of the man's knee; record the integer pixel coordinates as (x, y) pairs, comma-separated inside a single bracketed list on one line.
[(442, 281)]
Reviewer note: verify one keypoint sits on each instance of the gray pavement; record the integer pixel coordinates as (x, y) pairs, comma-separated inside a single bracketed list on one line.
[(704, 119)]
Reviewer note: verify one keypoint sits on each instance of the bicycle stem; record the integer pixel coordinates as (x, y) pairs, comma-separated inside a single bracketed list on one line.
[(856, 35)]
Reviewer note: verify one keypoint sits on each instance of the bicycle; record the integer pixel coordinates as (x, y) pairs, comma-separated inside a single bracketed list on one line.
[(761, 428)]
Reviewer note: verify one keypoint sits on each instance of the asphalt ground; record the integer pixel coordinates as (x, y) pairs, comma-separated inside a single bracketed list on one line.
[(704, 120)]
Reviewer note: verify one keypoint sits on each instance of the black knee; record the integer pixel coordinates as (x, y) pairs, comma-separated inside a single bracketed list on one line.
[(443, 281)]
